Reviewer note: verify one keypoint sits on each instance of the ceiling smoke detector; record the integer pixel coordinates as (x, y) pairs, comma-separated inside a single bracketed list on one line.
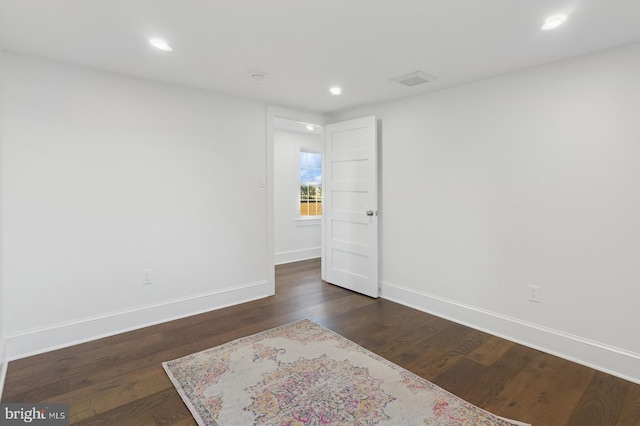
[(414, 78), (259, 76)]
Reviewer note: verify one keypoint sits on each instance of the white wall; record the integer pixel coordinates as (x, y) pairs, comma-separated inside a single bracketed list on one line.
[(106, 176), (531, 178), (295, 238), (3, 363)]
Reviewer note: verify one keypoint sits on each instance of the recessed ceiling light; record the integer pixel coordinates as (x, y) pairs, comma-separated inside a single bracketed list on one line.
[(310, 128), (259, 76), (335, 91), (553, 22), (160, 44)]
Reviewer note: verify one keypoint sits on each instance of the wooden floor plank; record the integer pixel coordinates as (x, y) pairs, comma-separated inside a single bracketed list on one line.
[(119, 380), (630, 411), (602, 401), (480, 385), (439, 352), (536, 395), (490, 351), (113, 393), (138, 411)]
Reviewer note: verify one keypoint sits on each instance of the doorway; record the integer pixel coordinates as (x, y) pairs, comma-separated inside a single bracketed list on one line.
[(275, 114), (350, 216), (297, 156)]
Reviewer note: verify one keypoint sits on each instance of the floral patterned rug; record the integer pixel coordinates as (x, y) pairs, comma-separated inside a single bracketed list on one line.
[(304, 374)]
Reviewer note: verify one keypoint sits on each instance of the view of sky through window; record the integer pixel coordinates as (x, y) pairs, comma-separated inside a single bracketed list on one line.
[(310, 184)]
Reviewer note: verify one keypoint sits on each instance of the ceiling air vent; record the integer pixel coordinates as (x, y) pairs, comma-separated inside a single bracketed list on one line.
[(414, 78)]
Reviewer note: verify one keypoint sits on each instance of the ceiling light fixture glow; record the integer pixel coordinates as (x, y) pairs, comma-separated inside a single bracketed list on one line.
[(160, 44), (553, 22), (310, 128), (335, 91)]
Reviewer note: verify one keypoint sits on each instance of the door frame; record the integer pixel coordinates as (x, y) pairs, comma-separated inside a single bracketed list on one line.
[(273, 112)]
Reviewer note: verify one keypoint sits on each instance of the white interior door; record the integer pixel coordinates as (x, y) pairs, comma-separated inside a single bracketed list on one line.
[(350, 206)]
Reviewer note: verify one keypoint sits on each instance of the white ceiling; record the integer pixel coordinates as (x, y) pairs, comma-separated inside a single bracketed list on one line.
[(296, 126), (306, 46)]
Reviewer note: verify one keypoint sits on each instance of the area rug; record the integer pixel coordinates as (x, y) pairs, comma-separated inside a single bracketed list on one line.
[(304, 374)]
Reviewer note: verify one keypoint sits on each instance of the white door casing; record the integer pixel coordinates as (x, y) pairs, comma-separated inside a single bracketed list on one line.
[(350, 206)]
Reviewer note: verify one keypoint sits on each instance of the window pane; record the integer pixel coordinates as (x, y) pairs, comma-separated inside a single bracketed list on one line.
[(310, 183), (317, 163), (316, 175)]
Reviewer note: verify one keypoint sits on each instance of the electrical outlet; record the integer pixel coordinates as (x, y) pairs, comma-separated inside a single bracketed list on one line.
[(146, 276), (534, 293)]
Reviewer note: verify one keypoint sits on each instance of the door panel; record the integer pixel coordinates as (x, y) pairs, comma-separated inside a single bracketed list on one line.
[(351, 205)]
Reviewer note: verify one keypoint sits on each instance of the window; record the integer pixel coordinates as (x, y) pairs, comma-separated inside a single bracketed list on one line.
[(310, 184)]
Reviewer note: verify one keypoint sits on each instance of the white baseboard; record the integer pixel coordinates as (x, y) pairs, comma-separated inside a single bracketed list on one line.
[(600, 356), (297, 255), (56, 336)]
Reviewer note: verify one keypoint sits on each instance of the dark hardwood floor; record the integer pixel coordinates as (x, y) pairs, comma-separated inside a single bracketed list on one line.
[(120, 381)]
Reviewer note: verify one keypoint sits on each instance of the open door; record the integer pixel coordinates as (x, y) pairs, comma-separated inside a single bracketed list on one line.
[(350, 206)]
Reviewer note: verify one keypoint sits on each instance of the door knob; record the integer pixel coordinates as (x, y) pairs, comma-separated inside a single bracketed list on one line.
[(369, 212)]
